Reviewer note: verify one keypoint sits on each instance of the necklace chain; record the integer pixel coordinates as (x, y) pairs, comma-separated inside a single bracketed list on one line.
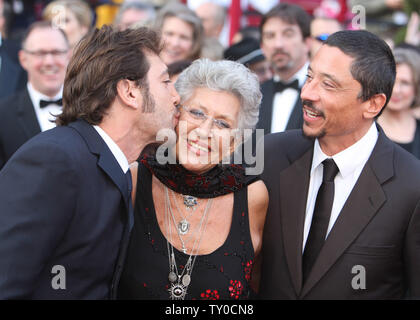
[(180, 282), (184, 225)]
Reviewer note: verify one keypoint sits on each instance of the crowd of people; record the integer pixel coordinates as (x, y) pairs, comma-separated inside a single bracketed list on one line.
[(119, 146)]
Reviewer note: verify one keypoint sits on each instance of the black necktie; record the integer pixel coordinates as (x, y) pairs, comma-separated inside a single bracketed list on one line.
[(129, 184), (44, 103), (129, 200), (280, 86), (321, 217)]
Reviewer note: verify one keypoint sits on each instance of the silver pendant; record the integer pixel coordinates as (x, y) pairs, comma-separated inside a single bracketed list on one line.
[(172, 277), (183, 227), (186, 280), (190, 201), (177, 292)]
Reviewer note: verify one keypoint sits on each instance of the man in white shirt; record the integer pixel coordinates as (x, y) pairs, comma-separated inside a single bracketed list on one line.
[(344, 214), (285, 32), (44, 56), (65, 195)]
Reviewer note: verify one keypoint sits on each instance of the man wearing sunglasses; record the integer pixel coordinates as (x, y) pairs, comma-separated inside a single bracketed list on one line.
[(321, 28)]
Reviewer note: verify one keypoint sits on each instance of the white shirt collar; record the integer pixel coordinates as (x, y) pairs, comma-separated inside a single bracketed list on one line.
[(37, 96), (116, 151), (300, 75), (351, 158)]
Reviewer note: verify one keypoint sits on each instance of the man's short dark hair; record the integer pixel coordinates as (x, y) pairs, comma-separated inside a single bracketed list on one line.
[(292, 14), (101, 59), (373, 66)]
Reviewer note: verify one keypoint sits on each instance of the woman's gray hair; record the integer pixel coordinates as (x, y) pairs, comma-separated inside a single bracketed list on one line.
[(227, 76), (411, 58)]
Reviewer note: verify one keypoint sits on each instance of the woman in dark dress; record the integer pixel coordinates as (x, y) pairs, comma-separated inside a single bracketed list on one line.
[(398, 120), (198, 224)]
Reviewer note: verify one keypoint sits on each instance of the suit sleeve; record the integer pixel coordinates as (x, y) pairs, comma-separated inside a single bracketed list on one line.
[(412, 254), (38, 193), (2, 157), (2, 153)]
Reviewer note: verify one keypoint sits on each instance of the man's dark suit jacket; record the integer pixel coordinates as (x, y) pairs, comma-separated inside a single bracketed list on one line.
[(266, 109), (12, 76), (18, 123), (378, 227), (64, 201)]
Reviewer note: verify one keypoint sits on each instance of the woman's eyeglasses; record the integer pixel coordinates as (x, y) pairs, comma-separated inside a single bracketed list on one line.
[(199, 116)]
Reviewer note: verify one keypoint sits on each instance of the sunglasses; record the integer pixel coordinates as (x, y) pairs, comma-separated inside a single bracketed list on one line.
[(322, 37)]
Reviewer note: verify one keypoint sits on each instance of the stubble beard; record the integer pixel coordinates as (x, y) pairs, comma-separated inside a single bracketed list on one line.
[(284, 68), (312, 136), (149, 103)]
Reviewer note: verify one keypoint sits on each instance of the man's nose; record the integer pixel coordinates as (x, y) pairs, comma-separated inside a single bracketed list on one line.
[(278, 41), (48, 58), (309, 91)]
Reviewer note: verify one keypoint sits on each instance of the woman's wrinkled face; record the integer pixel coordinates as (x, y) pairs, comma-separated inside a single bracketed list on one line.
[(178, 37), (206, 128)]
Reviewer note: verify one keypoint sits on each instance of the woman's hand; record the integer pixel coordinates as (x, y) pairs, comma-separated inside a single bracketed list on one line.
[(413, 34)]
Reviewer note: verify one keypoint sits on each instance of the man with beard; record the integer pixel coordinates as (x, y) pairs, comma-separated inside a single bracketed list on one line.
[(65, 195), (344, 216), (285, 39)]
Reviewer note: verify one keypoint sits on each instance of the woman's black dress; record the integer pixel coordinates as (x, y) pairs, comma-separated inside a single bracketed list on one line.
[(223, 274)]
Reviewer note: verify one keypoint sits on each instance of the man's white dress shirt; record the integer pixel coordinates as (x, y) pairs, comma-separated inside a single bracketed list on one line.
[(284, 102), (45, 115), (350, 162)]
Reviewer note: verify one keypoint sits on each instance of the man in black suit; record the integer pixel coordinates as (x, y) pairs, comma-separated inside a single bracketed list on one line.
[(45, 56), (344, 214), (285, 31), (66, 212)]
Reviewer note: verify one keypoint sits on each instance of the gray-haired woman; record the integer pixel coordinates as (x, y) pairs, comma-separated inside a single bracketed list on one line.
[(199, 223)]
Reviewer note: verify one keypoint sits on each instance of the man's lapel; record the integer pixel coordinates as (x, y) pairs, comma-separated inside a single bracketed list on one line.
[(364, 201), (266, 110), (296, 117), (294, 184), (106, 160), (26, 115)]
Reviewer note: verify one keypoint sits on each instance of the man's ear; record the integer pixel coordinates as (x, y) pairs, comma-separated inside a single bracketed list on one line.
[(22, 59), (129, 93), (374, 105)]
